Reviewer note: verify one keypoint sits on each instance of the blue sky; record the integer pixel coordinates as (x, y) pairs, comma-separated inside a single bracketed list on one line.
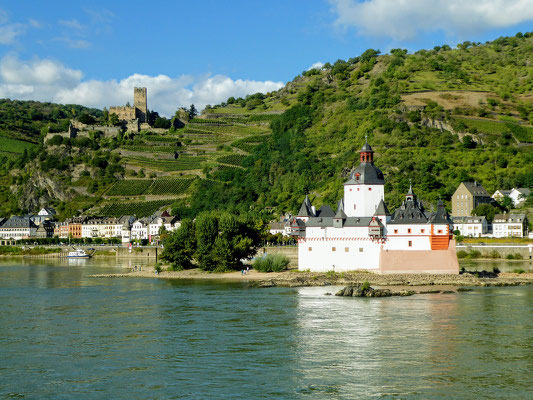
[(204, 51)]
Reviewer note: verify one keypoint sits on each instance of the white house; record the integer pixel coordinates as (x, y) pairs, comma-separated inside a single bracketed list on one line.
[(471, 226), (139, 229), (363, 235), (519, 196), (510, 225), (18, 228)]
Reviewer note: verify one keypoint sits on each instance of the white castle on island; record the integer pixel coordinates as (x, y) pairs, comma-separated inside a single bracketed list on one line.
[(363, 235)]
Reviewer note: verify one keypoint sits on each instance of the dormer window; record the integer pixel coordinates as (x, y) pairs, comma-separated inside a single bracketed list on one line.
[(357, 176)]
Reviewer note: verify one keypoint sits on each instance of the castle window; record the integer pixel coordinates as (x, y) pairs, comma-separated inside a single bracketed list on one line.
[(354, 206), (360, 249), (350, 189), (310, 249), (422, 230), (439, 231), (346, 249), (396, 231), (357, 189), (333, 249), (410, 243), (369, 189), (409, 230)]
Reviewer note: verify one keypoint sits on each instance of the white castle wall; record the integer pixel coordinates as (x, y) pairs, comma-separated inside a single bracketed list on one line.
[(398, 237), (362, 200), (338, 249)]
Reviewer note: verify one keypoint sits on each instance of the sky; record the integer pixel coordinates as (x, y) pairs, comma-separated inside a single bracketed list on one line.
[(204, 51)]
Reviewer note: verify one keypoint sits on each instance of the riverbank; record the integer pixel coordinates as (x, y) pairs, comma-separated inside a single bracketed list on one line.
[(294, 278)]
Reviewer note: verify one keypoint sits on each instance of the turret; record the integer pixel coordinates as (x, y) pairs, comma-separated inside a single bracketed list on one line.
[(365, 188)]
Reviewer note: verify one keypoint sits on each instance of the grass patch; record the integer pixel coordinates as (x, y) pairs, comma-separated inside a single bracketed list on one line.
[(271, 263), (10, 145)]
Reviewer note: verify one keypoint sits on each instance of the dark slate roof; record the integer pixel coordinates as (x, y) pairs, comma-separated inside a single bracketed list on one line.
[(441, 216), (369, 174), (382, 209), (325, 211), (509, 218), (328, 221), (340, 210), (410, 212), (475, 189), (468, 220), (19, 222), (297, 221), (306, 209), (366, 147)]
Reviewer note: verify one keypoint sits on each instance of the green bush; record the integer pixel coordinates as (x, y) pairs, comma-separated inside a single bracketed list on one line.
[(271, 263), (462, 254), (515, 256), (519, 271), (492, 254)]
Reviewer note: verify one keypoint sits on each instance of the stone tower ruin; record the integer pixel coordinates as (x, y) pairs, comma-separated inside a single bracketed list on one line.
[(140, 102)]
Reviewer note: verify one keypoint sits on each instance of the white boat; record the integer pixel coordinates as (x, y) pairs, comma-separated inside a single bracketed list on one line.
[(78, 253)]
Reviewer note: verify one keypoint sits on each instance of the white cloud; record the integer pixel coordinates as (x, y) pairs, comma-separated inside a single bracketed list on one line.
[(317, 65), (9, 31), (47, 80), (73, 43), (405, 19), (34, 23), (71, 23)]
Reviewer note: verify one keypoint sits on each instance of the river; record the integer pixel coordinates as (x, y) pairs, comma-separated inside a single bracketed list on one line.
[(64, 335)]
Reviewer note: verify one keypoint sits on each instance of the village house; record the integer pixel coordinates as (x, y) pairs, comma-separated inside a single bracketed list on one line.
[(139, 229), (45, 230), (18, 227), (471, 226), (519, 196), (44, 214), (467, 197), (510, 225)]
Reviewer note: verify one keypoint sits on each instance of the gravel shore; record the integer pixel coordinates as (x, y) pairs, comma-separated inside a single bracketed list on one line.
[(293, 278)]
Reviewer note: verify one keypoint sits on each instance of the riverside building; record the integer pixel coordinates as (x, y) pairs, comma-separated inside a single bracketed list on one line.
[(363, 235)]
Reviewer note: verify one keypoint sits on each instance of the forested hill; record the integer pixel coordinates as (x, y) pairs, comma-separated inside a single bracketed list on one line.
[(435, 118)]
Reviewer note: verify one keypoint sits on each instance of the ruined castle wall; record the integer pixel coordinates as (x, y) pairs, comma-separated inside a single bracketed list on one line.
[(124, 113)]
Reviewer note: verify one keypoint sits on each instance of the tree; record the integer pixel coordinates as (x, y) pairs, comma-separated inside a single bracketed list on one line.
[(206, 234), (192, 112), (86, 119), (113, 119), (486, 210), (180, 246)]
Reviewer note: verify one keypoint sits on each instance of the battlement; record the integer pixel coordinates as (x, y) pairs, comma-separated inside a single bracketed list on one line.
[(138, 111)]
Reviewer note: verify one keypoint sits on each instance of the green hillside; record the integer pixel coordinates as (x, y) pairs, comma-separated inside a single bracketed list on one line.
[(435, 118)]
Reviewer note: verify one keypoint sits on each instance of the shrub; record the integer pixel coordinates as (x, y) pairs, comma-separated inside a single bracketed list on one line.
[(515, 256), (493, 254), (271, 263), (518, 271), (462, 254)]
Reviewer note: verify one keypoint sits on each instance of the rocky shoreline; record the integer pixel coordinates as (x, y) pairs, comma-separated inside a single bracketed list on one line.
[(293, 278)]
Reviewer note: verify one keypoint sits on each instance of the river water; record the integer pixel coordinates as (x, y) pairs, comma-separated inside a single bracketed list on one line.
[(64, 335)]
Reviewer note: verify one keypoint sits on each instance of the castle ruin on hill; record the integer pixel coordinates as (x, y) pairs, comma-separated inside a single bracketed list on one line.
[(138, 111)]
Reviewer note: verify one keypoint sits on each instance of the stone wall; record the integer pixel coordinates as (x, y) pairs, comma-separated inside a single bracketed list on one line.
[(525, 250), (124, 113)]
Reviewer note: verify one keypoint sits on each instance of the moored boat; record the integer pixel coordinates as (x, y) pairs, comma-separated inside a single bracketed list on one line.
[(78, 253)]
